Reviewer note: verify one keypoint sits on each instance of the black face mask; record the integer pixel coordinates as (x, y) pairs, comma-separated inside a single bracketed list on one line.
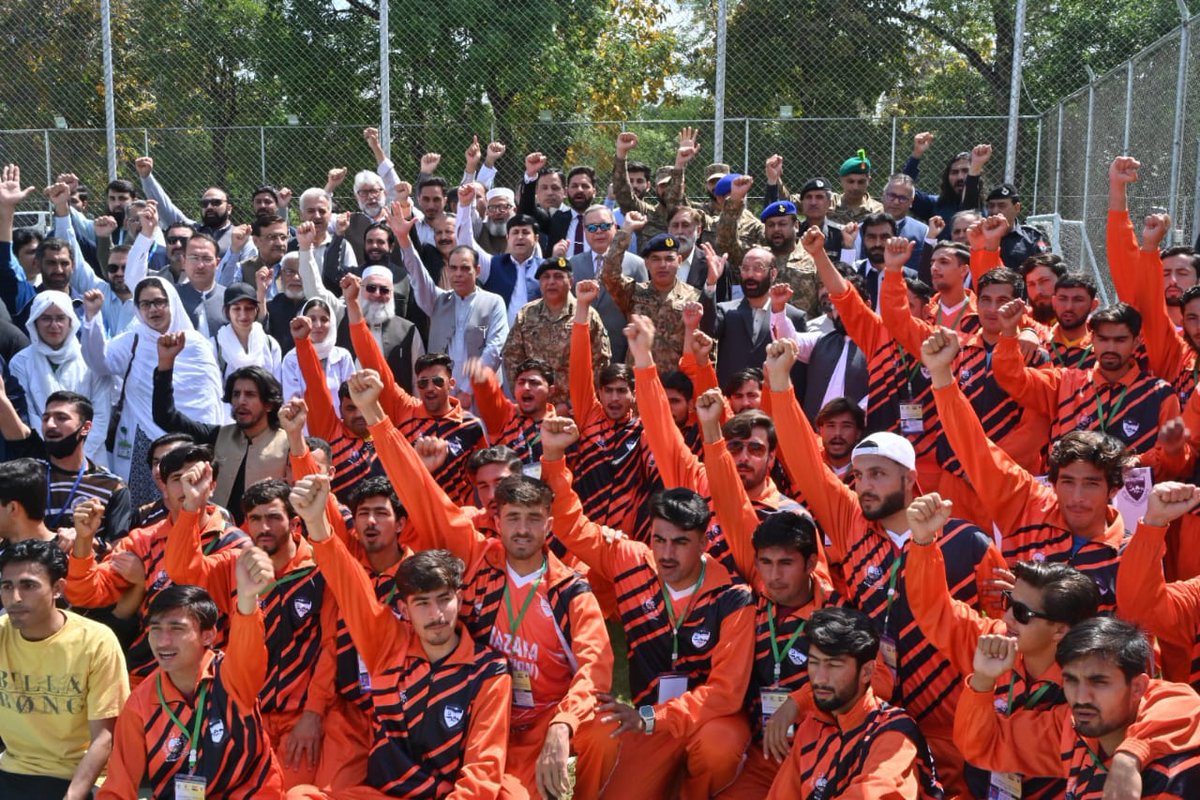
[(61, 448)]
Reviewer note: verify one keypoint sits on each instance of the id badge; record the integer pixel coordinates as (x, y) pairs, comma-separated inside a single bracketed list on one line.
[(912, 418), (771, 699), (364, 676), (522, 683), (1004, 786), (533, 470), (670, 686), (887, 649), (124, 446), (190, 787)]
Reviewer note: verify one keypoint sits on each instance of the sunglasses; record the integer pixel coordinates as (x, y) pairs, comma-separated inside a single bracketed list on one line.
[(211, 203), (178, 239), (595, 227), (372, 288), (754, 448), (1021, 612), (437, 380)]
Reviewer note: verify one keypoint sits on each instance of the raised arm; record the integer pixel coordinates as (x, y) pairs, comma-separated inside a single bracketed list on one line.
[(1035, 387), (15, 290), (245, 669), (620, 286), (581, 374), (167, 210), (166, 416), (908, 331), (185, 561), (465, 233), (626, 199), (735, 513)]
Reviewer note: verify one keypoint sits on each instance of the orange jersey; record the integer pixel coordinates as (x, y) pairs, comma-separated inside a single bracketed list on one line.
[(963, 319), (439, 728), (233, 754), (92, 585), (1165, 738), (872, 751), (505, 424)]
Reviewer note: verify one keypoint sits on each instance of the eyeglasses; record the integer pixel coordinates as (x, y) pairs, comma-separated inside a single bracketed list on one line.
[(198, 259), (366, 192), (211, 202), (374, 288), (897, 198), (595, 227), (437, 380), (1021, 612), (735, 447), (178, 239), (504, 207), (116, 267), (275, 237), (146, 305)]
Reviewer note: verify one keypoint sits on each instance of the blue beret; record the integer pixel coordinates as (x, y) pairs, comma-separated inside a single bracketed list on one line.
[(725, 185), (784, 208)]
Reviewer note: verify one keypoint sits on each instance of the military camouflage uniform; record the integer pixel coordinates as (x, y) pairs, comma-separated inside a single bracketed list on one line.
[(657, 215), (839, 212), (665, 309), (541, 333), (797, 268)]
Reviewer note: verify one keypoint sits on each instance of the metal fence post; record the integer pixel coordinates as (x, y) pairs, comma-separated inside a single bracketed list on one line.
[(746, 145), (892, 163), (1037, 164), (1014, 94), (1196, 193), (110, 114), (1128, 106), (1087, 146), (49, 170), (1058, 159), (385, 79), (145, 141), (262, 152), (719, 93), (1180, 99)]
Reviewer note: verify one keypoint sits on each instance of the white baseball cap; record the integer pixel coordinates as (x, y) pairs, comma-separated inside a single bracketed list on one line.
[(888, 445)]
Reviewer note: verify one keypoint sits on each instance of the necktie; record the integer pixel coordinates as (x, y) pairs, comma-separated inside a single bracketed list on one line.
[(599, 267), (577, 247), (202, 315)]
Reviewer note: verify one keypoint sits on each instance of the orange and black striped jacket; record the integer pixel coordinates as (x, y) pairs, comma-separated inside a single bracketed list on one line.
[(715, 639), (1165, 738), (438, 727), (234, 754), (615, 469), (92, 585), (965, 320), (461, 430), (1025, 511), (954, 629), (1131, 409), (438, 523), (1068, 354), (873, 750), (927, 684), (1170, 611), (293, 608), (506, 425), (353, 456)]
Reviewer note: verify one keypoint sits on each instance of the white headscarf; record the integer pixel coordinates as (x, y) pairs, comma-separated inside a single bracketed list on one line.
[(323, 346), (256, 353), (69, 372)]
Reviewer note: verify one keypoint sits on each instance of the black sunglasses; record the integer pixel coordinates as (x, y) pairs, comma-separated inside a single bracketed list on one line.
[(178, 239), (1021, 612), (437, 380), (211, 202), (116, 267)]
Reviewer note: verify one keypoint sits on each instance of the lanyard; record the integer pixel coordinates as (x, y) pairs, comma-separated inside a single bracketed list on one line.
[(677, 621), (957, 317), (1095, 758), (515, 623), (1060, 349), (1104, 419), (910, 371), (194, 735), (70, 497), (291, 576), (1030, 701), (891, 591), (776, 650)]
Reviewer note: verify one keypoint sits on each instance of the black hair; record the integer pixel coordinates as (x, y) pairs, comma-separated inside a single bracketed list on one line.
[(740, 378), (269, 390), (434, 181), (677, 381), (466, 248), (522, 220), (1002, 276), (317, 443), (83, 406), (267, 491), (265, 221), (742, 425), (1178, 250), (1074, 280), (1068, 595), (920, 288), (947, 189), (839, 631), (1112, 639), (683, 508), (1106, 453), (522, 490), (786, 529), (180, 457), (381, 226), (52, 244), (535, 365), (843, 405), (266, 189), (166, 439), (496, 454), (1051, 261), (960, 251), (878, 218), (35, 551), (582, 170), (26, 236), (199, 236), (636, 166), (428, 571), (616, 372), (116, 185), (195, 601), (1117, 314), (376, 486), (429, 360), (23, 480)]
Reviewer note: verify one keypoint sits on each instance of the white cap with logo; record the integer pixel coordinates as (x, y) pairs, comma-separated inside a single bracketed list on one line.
[(889, 445)]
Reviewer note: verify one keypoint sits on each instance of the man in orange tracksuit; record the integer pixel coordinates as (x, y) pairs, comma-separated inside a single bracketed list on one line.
[(690, 633), (1170, 611), (1118, 728), (558, 650), (294, 698), (1071, 522), (195, 724), (854, 745), (441, 699), (1046, 599), (96, 585), (514, 424)]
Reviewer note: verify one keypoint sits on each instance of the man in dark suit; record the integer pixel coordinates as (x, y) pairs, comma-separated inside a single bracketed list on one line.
[(398, 339), (876, 230), (599, 229), (202, 297), (510, 275), (561, 224), (687, 225), (742, 328)]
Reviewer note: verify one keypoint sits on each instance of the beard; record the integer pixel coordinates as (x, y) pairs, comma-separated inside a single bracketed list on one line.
[(376, 313), (686, 245), (497, 229), (888, 505), (755, 288), (1043, 312), (372, 210), (214, 219)]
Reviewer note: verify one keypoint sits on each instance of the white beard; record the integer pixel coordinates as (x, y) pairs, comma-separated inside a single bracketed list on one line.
[(686, 244), (376, 314), (497, 228), (372, 210), (294, 294)]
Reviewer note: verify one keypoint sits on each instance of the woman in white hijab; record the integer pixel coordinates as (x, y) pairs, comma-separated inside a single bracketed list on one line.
[(244, 342), (336, 361), (53, 362), (132, 357)]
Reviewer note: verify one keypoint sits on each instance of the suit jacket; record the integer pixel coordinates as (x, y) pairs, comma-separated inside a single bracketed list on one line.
[(732, 324), (214, 306), (483, 311), (583, 268), (553, 226), (833, 238), (872, 276)]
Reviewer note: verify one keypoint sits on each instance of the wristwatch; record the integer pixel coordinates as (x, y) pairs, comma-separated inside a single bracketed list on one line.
[(647, 716)]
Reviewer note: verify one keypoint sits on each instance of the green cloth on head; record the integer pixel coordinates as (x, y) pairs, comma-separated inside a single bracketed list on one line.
[(856, 164)]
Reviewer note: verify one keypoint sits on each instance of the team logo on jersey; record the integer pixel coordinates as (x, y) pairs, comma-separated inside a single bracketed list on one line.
[(452, 716), (161, 579), (1084, 422), (700, 639), (174, 748), (796, 657), (1039, 556), (1130, 427), (964, 375), (303, 606), (925, 373), (874, 575), (1135, 486), (455, 446), (1001, 705), (216, 730), (649, 607)]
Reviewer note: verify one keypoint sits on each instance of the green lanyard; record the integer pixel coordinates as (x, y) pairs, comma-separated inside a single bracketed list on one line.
[(1058, 351), (776, 650), (392, 593), (910, 371), (957, 317), (290, 577), (1095, 758), (194, 735), (515, 624), (1112, 412), (891, 592), (677, 621), (1030, 701)]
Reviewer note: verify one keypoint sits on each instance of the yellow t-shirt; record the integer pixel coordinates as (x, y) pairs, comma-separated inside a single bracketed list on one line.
[(50, 689)]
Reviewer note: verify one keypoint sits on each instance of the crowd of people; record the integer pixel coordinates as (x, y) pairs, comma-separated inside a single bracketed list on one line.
[(475, 492)]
